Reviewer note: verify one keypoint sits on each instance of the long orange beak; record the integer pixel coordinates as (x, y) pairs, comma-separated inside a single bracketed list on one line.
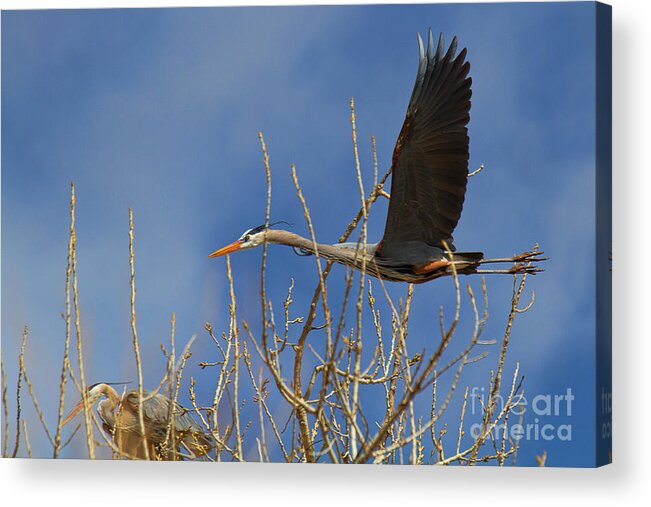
[(233, 247), (77, 408)]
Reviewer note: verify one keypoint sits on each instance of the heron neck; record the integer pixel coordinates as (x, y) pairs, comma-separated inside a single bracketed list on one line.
[(106, 409), (337, 252), (111, 394)]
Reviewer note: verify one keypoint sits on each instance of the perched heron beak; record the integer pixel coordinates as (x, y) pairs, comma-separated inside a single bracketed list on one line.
[(233, 247), (77, 408)]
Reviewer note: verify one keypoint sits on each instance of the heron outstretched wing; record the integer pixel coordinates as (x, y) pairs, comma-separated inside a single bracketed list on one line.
[(430, 159)]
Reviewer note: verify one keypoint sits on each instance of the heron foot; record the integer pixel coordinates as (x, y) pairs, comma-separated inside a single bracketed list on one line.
[(530, 257), (527, 268)]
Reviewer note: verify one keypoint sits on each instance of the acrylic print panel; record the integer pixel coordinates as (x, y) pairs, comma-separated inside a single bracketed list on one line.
[(136, 142)]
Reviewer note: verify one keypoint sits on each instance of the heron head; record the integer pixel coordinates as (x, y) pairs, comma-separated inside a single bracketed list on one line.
[(250, 239), (95, 392)]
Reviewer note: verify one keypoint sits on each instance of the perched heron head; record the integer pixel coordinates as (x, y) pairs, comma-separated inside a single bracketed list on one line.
[(95, 392)]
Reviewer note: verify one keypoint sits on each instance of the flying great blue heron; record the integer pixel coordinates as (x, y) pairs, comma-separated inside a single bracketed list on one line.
[(119, 415), (428, 186)]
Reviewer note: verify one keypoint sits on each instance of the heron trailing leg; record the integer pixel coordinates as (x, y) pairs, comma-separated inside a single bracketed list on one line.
[(523, 257), (522, 264), (515, 270)]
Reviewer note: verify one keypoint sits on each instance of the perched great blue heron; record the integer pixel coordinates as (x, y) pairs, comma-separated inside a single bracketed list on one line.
[(119, 415), (428, 186)]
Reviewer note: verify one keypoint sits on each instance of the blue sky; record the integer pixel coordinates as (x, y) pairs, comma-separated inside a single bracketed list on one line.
[(159, 110)]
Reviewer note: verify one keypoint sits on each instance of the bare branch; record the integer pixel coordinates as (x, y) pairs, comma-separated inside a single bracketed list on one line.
[(136, 345)]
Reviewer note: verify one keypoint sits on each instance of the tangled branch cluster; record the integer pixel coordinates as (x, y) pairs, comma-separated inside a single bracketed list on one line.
[(330, 389)]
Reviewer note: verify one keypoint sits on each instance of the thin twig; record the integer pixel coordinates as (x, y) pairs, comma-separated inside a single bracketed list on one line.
[(28, 446), (37, 407), (355, 402), (476, 171), (66, 350), (234, 335), (5, 409), (80, 356), (21, 363), (136, 345)]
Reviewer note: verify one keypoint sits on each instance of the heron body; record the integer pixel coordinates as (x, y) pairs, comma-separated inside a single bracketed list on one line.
[(120, 419), (404, 268), (429, 171)]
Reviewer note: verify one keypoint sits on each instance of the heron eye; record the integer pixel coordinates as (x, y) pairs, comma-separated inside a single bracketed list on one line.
[(246, 238)]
